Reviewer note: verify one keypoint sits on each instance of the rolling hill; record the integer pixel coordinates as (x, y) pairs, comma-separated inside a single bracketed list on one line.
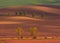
[(49, 26)]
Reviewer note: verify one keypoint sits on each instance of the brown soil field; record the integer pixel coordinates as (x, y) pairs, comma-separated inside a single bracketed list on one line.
[(49, 26), (32, 41)]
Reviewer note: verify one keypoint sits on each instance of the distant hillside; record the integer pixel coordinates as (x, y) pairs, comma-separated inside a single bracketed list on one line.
[(4, 3), (48, 10)]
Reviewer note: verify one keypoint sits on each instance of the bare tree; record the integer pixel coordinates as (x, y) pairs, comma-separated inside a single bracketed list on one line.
[(20, 32), (33, 32)]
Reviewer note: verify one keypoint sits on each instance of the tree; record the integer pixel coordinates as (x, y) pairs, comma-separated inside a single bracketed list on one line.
[(33, 15), (43, 15), (16, 13), (20, 32), (20, 13), (25, 13), (33, 32)]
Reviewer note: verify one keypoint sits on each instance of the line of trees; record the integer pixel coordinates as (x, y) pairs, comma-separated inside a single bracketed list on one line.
[(21, 13), (33, 32), (24, 13)]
